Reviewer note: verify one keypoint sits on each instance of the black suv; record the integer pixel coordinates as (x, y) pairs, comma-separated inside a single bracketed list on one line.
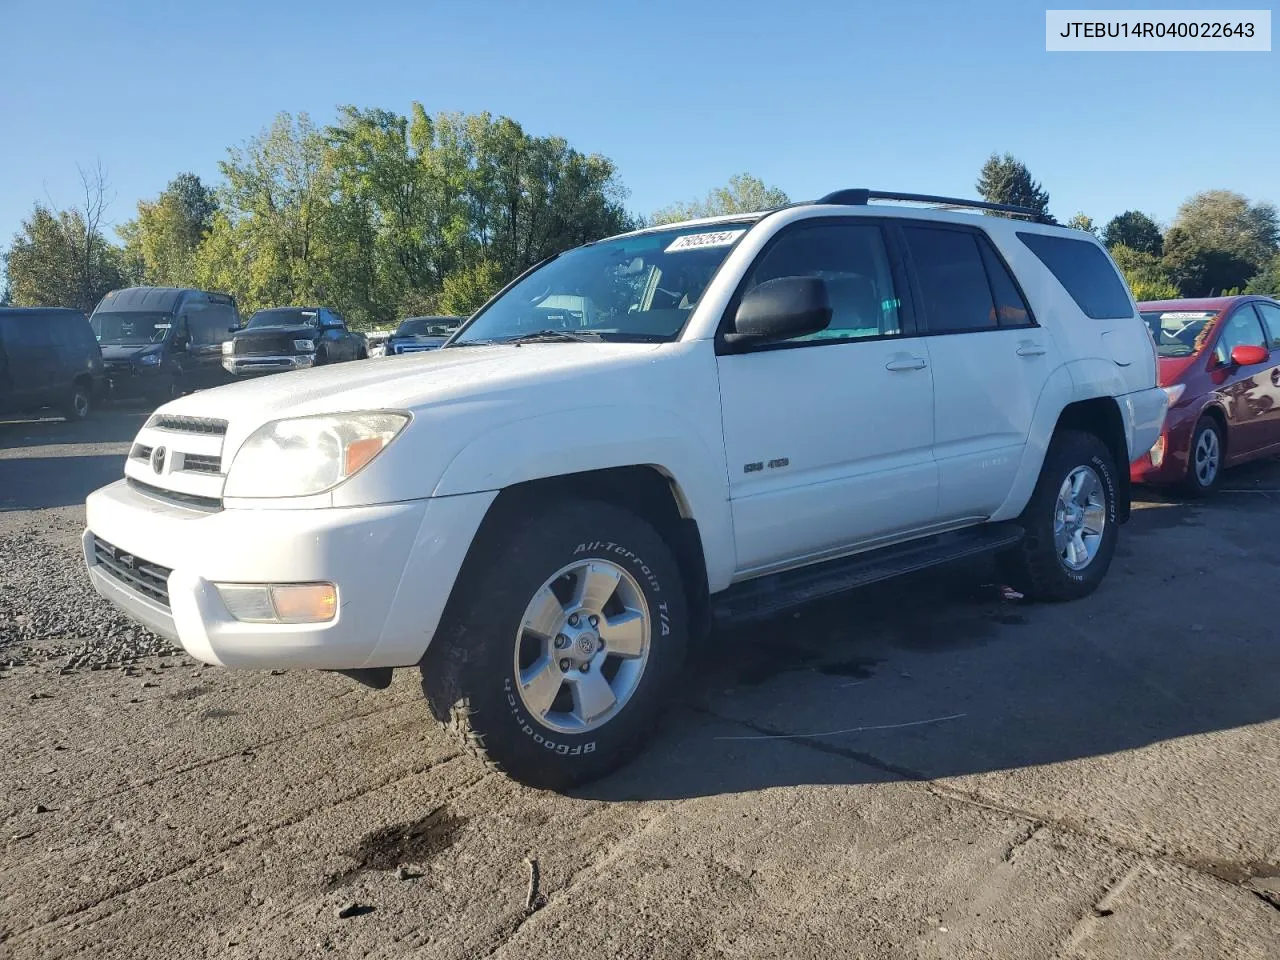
[(162, 342), (48, 358), (421, 333), (291, 338)]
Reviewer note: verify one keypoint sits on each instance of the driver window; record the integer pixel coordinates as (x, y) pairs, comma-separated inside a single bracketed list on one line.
[(1240, 329), (851, 258)]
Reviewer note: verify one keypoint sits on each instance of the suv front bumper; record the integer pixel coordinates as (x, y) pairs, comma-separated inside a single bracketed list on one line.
[(394, 566), (240, 366)]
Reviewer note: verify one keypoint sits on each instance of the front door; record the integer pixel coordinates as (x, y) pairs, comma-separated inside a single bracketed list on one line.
[(990, 363), (829, 436), (1249, 391), (1270, 314)]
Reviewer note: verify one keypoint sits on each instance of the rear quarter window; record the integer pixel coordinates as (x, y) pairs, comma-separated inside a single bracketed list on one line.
[(1086, 273)]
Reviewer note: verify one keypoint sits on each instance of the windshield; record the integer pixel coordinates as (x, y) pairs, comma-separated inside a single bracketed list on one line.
[(1178, 333), (639, 288), (282, 317), (130, 327), (428, 327)]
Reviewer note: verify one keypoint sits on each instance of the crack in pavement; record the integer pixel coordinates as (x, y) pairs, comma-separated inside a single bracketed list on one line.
[(240, 840), (1229, 875)]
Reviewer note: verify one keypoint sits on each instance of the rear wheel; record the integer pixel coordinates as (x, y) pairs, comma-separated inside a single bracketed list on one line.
[(1204, 465), (567, 638), (1071, 522), (79, 404)]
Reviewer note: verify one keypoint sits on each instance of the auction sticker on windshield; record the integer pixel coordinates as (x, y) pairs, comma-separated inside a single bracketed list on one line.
[(699, 241)]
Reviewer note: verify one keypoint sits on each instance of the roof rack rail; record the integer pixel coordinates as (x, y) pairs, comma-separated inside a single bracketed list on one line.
[(860, 196)]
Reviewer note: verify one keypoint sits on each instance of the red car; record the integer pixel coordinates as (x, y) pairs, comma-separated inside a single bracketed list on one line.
[(1220, 366)]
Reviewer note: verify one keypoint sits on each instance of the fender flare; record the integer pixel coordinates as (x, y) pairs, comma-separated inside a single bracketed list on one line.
[(612, 436)]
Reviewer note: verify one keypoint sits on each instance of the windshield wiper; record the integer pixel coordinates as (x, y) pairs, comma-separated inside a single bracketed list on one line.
[(554, 336)]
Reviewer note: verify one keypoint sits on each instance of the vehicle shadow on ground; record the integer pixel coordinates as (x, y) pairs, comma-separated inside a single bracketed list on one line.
[(37, 483), (111, 425), (944, 674)]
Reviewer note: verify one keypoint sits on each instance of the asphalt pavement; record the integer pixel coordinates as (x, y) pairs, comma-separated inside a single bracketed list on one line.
[(928, 768)]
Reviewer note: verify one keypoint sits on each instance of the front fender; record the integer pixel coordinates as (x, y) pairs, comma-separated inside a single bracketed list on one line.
[(535, 448)]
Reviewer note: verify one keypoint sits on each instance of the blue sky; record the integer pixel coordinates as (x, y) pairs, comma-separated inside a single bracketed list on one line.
[(810, 96)]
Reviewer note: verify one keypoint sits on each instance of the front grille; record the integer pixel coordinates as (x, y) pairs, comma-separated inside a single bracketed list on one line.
[(211, 504), (149, 579), (141, 452), (207, 425), (199, 463), (265, 345)]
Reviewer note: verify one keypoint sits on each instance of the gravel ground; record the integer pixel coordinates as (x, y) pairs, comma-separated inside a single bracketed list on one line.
[(927, 769)]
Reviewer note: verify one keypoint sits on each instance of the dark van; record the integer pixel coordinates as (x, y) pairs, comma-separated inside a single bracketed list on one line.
[(162, 342), (48, 358)]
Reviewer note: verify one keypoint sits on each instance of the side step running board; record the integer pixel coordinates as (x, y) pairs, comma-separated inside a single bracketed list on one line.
[(767, 596)]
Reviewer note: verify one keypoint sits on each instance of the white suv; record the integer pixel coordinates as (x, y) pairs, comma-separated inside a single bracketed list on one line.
[(748, 413)]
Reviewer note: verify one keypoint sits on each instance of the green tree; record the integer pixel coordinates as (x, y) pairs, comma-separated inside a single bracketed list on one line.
[(743, 194), (1267, 281), (269, 243), (61, 258), (160, 244), (1228, 223), (1135, 230), (1082, 222), (1199, 268), (1006, 179), (1144, 273)]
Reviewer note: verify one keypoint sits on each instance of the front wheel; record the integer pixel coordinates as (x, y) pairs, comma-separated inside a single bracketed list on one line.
[(1071, 522), (1204, 465), (563, 643)]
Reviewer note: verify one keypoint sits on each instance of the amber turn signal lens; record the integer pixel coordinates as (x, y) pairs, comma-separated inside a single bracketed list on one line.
[(360, 452), (305, 602)]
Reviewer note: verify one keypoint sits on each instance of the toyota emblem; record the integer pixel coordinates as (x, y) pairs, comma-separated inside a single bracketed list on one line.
[(157, 459)]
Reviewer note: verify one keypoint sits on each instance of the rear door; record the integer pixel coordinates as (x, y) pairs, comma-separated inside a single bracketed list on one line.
[(990, 359)]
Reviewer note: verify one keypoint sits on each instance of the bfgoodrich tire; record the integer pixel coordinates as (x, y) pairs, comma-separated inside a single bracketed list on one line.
[(562, 643), (1071, 522)]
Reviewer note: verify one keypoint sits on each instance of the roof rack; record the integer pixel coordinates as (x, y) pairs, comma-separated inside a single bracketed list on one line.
[(860, 196)]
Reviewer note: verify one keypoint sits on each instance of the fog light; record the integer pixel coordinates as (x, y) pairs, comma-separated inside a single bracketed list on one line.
[(1157, 452), (280, 602), (305, 602)]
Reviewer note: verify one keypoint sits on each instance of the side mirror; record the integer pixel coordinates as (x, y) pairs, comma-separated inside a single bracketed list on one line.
[(1247, 354), (780, 309)]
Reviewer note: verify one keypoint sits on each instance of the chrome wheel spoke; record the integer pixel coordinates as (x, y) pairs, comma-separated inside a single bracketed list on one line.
[(592, 696), (545, 614), (1061, 537), (1095, 518), (625, 634), (596, 584), (540, 684)]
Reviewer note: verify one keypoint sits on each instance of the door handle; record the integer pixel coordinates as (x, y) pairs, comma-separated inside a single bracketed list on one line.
[(906, 363), (1030, 350)]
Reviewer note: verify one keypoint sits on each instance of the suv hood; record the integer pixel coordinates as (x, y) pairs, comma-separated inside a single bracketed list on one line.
[(125, 351), (410, 382)]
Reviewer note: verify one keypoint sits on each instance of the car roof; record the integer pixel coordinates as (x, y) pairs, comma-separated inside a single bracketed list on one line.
[(1205, 304), (40, 312)]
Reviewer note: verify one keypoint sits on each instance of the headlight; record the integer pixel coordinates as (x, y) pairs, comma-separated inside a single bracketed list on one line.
[(149, 359), (228, 348), (294, 458), (305, 346), (1174, 393)]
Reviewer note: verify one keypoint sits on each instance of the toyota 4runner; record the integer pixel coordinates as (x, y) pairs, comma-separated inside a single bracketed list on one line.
[(686, 425)]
